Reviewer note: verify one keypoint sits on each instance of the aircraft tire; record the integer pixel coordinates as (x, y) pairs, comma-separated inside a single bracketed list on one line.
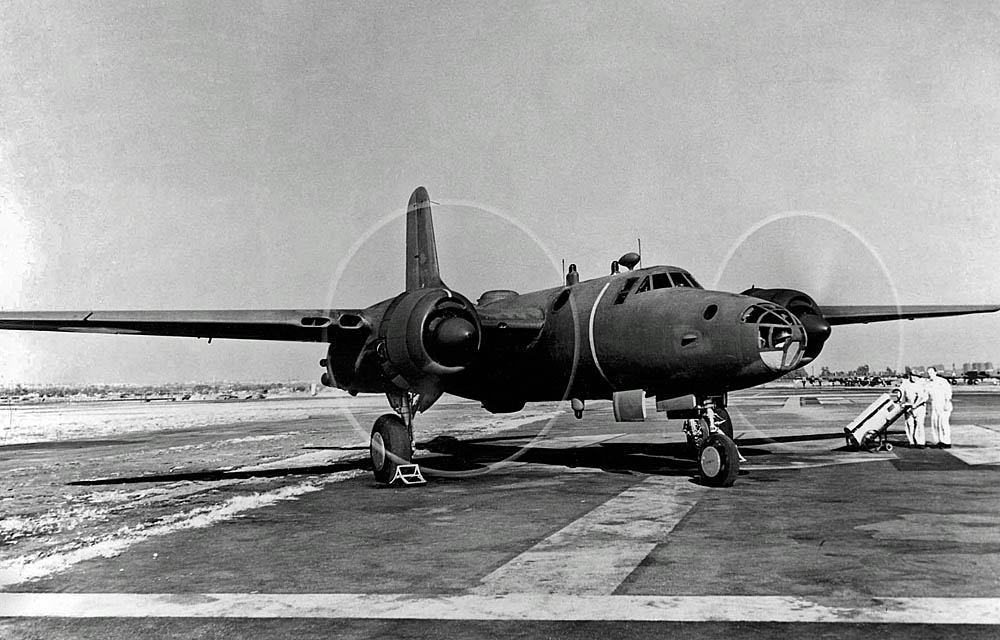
[(723, 422), (389, 446), (719, 461)]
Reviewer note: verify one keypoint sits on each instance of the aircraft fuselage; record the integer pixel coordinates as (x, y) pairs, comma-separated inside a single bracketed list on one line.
[(617, 333), (599, 338)]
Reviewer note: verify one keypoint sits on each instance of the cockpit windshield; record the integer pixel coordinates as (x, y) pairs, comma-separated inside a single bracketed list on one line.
[(658, 280), (667, 279), (682, 279)]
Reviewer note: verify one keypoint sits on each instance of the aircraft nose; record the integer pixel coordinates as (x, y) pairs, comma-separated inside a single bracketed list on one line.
[(780, 336)]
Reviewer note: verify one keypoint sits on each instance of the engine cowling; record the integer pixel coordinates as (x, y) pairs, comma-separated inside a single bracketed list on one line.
[(806, 310), (428, 334)]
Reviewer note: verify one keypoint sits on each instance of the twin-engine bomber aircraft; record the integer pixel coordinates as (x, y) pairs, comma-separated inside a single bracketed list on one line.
[(626, 336)]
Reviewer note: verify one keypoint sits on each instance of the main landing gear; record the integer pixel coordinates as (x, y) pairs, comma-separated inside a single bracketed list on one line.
[(391, 444), (710, 438)]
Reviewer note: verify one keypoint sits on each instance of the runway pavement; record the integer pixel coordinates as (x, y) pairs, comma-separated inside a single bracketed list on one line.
[(276, 527)]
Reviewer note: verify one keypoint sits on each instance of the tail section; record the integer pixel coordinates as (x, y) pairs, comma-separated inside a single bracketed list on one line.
[(421, 250)]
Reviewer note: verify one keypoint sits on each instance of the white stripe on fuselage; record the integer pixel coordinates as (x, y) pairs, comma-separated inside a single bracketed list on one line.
[(590, 334)]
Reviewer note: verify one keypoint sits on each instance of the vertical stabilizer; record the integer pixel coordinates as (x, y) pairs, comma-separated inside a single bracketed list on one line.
[(421, 251)]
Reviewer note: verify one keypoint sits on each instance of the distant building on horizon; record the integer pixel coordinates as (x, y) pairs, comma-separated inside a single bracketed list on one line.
[(977, 366)]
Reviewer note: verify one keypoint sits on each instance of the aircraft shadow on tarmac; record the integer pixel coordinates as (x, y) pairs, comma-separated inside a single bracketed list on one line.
[(56, 445), (654, 458), (211, 475), (469, 455), (660, 458), (810, 437), (453, 455)]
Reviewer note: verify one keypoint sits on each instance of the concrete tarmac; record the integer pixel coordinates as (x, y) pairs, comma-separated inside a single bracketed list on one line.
[(530, 526)]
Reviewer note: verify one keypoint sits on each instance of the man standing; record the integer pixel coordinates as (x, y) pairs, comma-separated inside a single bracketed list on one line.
[(915, 404), (939, 395)]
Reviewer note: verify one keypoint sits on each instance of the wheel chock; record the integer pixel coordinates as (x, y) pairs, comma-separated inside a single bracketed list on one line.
[(408, 474)]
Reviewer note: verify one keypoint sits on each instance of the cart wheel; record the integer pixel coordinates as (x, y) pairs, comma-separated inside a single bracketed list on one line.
[(869, 443)]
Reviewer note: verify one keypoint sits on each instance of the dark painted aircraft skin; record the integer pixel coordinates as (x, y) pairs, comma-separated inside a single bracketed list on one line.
[(670, 341), (650, 332)]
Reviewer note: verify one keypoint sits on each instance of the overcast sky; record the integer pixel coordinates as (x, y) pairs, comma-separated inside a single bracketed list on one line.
[(186, 155)]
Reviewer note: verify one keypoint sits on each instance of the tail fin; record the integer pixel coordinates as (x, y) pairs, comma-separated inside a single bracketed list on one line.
[(421, 251)]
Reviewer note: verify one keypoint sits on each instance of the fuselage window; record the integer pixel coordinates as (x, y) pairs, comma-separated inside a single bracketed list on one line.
[(644, 285), (625, 289), (661, 281)]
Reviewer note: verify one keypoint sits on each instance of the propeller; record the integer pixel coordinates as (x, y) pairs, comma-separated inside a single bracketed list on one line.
[(810, 259)]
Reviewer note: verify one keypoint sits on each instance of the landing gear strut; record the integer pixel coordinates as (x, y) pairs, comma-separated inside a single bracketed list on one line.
[(710, 438)]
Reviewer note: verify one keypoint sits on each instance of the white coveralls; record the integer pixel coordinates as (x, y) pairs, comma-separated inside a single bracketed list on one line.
[(939, 394), (915, 396)]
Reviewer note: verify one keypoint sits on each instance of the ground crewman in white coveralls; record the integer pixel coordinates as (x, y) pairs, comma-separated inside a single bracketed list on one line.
[(939, 396), (915, 402)]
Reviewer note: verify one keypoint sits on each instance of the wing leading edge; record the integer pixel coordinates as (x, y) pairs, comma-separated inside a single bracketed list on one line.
[(292, 325), (863, 314)]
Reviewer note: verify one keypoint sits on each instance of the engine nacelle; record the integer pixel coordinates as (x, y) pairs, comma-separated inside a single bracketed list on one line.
[(427, 334), (806, 310)]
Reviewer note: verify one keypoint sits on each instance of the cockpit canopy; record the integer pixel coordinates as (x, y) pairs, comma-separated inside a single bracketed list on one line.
[(672, 277), (665, 279)]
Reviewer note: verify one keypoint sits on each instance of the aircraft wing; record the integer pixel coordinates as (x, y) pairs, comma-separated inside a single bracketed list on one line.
[(863, 314), (294, 325)]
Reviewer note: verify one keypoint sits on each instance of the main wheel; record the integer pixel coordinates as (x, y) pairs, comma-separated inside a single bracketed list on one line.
[(719, 461), (390, 446)]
